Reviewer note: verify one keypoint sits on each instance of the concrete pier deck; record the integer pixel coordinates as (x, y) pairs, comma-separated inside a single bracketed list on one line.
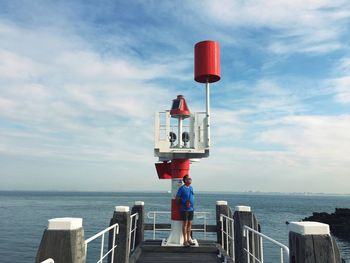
[(152, 251)]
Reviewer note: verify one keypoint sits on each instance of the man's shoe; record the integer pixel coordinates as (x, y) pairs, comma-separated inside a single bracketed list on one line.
[(191, 243), (186, 244)]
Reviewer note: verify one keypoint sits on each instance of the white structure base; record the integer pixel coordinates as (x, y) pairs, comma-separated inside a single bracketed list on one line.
[(166, 244), (65, 223), (221, 202), (309, 228), (175, 237), (243, 208)]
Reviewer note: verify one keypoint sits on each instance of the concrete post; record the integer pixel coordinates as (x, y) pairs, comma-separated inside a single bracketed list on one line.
[(139, 208), (243, 216), (121, 216), (221, 208), (311, 242), (63, 241)]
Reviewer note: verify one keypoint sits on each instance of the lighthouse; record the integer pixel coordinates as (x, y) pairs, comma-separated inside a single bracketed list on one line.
[(182, 136)]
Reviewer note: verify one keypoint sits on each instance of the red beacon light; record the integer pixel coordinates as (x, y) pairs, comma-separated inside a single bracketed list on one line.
[(179, 109), (207, 61)]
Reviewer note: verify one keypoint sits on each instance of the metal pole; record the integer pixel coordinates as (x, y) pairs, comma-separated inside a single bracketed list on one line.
[(179, 132), (248, 250), (207, 94), (154, 225), (113, 243), (261, 250)]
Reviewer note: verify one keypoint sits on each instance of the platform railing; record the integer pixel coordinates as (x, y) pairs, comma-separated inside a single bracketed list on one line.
[(283, 249), (154, 215), (49, 260), (101, 234), (132, 231), (227, 235)]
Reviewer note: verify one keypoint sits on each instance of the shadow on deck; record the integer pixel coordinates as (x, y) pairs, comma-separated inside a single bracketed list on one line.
[(152, 251)]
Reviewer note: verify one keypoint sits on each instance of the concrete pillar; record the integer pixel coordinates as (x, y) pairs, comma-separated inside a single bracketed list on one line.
[(139, 208), (63, 241), (121, 216), (221, 208), (311, 242), (243, 216)]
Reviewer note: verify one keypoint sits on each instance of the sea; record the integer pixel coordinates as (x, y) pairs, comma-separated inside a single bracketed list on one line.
[(24, 215)]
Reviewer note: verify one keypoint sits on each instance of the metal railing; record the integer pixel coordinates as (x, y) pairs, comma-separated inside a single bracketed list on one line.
[(49, 260), (283, 248), (132, 231), (227, 235), (115, 228), (198, 215)]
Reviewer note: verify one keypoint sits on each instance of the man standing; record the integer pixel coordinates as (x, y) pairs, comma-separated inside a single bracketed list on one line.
[(186, 198)]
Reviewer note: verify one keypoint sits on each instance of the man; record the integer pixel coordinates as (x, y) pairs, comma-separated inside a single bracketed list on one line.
[(186, 198)]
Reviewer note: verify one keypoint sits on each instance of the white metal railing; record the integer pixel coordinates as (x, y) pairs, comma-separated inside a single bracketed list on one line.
[(49, 260), (132, 231), (199, 215), (115, 228), (227, 234), (282, 247)]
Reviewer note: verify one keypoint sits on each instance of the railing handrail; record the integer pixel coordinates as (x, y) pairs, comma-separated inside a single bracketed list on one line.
[(268, 238), (229, 233), (132, 230), (196, 214), (115, 228), (102, 232), (261, 235)]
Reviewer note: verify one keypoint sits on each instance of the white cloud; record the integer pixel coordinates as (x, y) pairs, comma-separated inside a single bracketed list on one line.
[(297, 26)]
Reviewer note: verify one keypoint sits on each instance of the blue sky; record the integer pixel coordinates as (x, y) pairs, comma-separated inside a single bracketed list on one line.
[(80, 82)]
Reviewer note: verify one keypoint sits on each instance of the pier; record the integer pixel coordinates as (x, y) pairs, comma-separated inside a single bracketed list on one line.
[(237, 238)]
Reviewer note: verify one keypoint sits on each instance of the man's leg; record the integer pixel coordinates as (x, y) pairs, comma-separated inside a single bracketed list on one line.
[(188, 230), (184, 230)]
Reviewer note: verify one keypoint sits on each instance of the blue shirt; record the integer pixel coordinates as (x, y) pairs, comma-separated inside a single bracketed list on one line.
[(186, 193)]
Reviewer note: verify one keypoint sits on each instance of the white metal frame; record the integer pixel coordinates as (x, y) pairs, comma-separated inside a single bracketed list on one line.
[(115, 228), (197, 128), (227, 235), (199, 215), (283, 248), (132, 231)]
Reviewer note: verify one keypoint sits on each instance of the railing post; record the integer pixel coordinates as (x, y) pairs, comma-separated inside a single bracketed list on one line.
[(121, 216), (139, 208), (243, 216), (221, 208), (63, 241), (312, 242)]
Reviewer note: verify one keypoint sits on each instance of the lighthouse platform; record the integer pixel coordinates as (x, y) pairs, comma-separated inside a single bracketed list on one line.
[(153, 251)]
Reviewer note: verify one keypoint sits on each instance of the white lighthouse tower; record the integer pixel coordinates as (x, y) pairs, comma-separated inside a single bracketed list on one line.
[(176, 145)]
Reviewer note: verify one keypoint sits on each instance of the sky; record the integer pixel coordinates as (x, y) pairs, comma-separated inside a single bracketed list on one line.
[(80, 82)]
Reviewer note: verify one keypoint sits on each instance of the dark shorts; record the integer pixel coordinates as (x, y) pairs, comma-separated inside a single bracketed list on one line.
[(187, 215)]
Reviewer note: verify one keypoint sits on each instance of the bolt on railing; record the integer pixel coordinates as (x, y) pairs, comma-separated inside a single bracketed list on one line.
[(132, 231), (115, 228), (283, 248), (227, 234)]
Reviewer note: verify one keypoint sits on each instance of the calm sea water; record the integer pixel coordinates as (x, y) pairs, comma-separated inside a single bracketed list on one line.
[(24, 215)]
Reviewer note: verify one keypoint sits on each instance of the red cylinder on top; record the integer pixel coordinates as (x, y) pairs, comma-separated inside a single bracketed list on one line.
[(207, 61)]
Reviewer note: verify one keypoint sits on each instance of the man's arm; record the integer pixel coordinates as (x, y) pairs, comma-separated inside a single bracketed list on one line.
[(178, 195)]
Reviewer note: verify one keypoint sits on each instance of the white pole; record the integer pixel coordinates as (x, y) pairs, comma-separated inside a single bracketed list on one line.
[(179, 132), (207, 93)]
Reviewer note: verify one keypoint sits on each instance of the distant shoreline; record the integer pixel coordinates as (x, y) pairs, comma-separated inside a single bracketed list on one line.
[(165, 192)]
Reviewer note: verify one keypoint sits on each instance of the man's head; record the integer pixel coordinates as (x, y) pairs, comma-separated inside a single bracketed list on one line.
[(187, 179)]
